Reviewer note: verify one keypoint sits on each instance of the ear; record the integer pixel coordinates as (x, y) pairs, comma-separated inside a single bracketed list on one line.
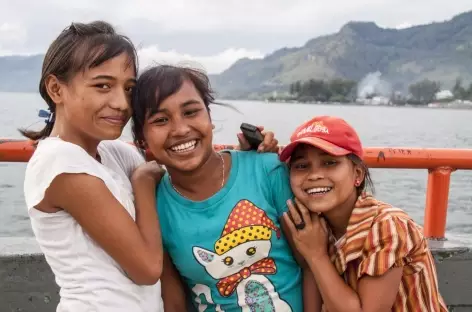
[(359, 173), (203, 256), (55, 89)]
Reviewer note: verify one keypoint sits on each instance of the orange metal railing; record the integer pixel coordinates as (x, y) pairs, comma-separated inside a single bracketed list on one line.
[(440, 163)]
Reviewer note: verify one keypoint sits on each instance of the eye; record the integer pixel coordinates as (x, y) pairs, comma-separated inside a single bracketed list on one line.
[(160, 121), (228, 261), (300, 166), (330, 162), (251, 251), (103, 86), (191, 113), (129, 90)]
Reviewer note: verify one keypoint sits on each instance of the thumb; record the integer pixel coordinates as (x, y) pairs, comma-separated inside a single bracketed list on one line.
[(324, 225), (243, 143)]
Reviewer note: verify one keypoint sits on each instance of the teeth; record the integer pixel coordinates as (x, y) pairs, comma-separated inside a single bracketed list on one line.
[(318, 190), (184, 147)]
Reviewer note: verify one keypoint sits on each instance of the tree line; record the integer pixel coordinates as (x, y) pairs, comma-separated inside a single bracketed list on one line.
[(335, 90), (345, 90)]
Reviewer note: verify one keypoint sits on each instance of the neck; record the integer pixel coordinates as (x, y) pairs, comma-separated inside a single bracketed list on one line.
[(338, 218), (203, 182), (89, 145)]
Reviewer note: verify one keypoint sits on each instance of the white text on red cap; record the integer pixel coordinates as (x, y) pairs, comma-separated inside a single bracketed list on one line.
[(315, 127)]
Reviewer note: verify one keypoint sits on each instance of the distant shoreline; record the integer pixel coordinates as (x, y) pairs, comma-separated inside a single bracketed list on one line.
[(465, 107)]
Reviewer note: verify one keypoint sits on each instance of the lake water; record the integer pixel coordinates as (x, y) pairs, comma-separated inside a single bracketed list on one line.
[(377, 126)]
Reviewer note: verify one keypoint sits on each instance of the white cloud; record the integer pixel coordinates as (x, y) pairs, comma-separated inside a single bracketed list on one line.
[(403, 25), (212, 64), (172, 24), (12, 33)]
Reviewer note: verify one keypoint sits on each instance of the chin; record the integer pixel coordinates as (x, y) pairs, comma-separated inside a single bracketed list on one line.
[(316, 205), (112, 135), (319, 208)]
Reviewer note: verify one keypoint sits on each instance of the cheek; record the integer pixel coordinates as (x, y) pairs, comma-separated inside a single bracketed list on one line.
[(295, 184), (154, 138), (345, 182)]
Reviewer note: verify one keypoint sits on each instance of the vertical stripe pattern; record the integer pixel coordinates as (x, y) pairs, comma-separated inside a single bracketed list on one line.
[(380, 237)]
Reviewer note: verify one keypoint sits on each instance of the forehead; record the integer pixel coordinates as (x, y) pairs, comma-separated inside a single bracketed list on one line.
[(187, 93), (306, 150), (119, 66)]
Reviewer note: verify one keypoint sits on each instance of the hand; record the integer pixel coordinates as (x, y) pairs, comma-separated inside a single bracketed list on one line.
[(149, 171), (312, 240), (268, 145)]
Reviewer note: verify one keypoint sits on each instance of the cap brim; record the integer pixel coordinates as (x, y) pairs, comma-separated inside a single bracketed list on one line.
[(324, 145)]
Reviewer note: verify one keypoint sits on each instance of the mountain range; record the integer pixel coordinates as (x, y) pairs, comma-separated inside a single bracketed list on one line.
[(440, 51)]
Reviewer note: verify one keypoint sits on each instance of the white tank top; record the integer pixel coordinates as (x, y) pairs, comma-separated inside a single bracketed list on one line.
[(89, 279)]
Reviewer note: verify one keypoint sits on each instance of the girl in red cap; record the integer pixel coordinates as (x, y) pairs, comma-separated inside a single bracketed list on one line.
[(366, 255)]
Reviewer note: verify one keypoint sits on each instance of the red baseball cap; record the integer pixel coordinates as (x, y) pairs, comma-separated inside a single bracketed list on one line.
[(330, 134)]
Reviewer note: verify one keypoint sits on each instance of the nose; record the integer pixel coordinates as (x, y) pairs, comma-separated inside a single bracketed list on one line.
[(316, 174), (241, 262), (180, 128), (121, 101)]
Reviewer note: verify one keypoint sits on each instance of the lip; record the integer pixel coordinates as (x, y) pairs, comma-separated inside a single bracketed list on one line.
[(318, 194), (183, 153), (115, 120)]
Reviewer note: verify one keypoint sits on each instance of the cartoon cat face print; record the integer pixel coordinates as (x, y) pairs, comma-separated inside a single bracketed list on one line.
[(234, 260)]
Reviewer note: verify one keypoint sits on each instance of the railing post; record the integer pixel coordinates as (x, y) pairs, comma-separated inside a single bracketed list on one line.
[(437, 196)]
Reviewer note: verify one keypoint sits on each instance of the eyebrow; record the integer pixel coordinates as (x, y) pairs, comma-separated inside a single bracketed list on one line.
[(182, 105), (108, 77)]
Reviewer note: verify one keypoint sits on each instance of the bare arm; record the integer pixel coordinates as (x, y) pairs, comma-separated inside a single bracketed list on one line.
[(375, 293), (173, 291), (134, 245), (312, 301)]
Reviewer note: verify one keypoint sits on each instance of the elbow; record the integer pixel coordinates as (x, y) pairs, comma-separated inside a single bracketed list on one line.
[(354, 305), (148, 275)]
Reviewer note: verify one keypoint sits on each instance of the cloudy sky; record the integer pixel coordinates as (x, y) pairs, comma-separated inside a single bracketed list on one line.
[(214, 33)]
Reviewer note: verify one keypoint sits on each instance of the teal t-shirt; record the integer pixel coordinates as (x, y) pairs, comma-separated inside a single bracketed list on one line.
[(230, 249)]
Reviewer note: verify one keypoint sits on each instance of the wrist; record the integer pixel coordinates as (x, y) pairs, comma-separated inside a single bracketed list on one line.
[(144, 180), (318, 258)]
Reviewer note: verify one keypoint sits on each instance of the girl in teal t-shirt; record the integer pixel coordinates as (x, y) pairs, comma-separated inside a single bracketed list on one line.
[(220, 213)]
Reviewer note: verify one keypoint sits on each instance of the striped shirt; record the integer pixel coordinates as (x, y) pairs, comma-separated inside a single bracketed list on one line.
[(379, 237)]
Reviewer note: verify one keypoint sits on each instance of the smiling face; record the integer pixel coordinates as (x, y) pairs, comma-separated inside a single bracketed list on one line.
[(95, 103), (322, 182), (180, 134)]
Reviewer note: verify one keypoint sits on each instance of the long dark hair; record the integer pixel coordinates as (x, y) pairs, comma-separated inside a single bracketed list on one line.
[(78, 47)]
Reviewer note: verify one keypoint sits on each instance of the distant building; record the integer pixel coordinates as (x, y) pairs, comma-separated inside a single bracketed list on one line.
[(444, 95)]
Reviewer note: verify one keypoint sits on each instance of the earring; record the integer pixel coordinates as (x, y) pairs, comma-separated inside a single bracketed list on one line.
[(357, 183)]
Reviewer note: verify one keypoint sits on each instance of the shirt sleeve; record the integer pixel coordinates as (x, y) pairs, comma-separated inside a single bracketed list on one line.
[(128, 155), (52, 158), (391, 242), (279, 182)]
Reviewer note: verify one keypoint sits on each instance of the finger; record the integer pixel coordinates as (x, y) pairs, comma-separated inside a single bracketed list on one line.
[(243, 143), (261, 128), (324, 225), (297, 219), (267, 142), (268, 138), (304, 212), (274, 147), (289, 222)]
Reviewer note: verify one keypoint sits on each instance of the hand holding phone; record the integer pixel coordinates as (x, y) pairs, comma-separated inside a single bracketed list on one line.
[(252, 134)]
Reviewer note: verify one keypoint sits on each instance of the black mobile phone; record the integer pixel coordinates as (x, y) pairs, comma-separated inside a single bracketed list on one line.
[(252, 134)]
